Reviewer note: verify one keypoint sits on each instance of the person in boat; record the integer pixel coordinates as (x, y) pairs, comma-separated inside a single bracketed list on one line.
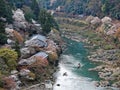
[(65, 74), (78, 65)]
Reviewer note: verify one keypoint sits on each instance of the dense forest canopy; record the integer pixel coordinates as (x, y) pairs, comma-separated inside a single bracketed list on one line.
[(88, 7)]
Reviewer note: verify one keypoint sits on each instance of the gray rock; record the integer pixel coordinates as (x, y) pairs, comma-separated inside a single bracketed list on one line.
[(18, 15), (27, 51), (104, 83), (106, 20), (14, 72), (10, 42), (9, 32), (24, 72), (3, 19), (89, 19), (37, 41), (28, 61), (95, 21), (19, 20), (20, 25), (116, 84)]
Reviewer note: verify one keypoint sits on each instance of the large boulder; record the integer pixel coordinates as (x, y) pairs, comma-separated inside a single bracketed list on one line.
[(9, 32), (89, 19), (106, 27), (27, 74), (13, 72), (29, 61), (95, 21), (51, 46), (19, 20), (10, 42), (37, 41), (113, 29), (20, 25), (27, 51), (104, 83), (40, 56), (55, 36), (3, 19), (106, 20), (35, 28), (116, 84), (24, 72), (18, 15)]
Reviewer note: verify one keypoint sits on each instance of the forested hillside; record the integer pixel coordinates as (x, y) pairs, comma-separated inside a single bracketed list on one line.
[(29, 39), (32, 9), (90, 7)]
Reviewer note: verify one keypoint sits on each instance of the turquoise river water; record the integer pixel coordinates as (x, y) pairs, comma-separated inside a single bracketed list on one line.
[(76, 79)]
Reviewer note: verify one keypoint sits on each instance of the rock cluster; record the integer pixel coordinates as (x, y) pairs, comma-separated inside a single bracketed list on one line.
[(19, 19), (108, 71), (37, 53), (104, 55)]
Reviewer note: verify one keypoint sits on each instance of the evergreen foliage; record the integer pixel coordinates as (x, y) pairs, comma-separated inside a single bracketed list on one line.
[(33, 10), (90, 7), (47, 21), (30, 5), (29, 15), (5, 10), (3, 37)]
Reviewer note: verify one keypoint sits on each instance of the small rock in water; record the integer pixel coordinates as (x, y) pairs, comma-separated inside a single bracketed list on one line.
[(58, 84), (65, 74)]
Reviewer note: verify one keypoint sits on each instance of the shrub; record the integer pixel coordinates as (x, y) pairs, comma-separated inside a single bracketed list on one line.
[(9, 83), (53, 56), (108, 47), (9, 56), (32, 76)]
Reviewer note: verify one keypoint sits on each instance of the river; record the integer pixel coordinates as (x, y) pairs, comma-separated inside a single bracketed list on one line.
[(76, 78)]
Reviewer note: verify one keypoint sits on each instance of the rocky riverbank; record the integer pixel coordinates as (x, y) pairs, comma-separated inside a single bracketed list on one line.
[(99, 40)]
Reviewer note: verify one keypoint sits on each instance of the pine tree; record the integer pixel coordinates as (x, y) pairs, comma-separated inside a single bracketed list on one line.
[(5, 10)]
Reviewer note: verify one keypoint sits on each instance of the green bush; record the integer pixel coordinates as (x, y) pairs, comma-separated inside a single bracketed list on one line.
[(9, 56), (108, 47)]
